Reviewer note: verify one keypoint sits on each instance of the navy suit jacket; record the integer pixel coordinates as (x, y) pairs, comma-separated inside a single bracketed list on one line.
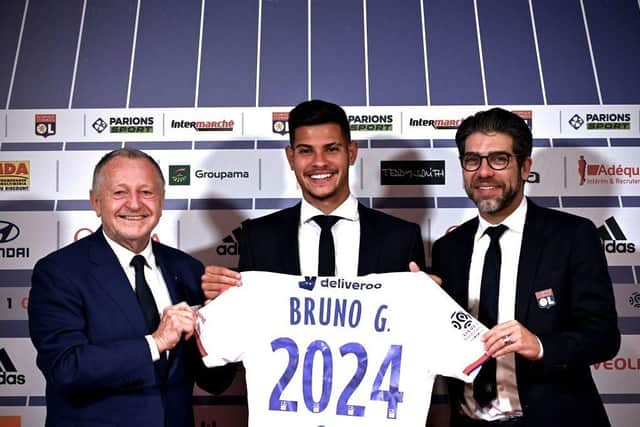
[(88, 330), (387, 243), (561, 252)]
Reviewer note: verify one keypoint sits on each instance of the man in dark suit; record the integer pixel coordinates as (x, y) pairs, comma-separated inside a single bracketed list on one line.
[(109, 358), (366, 241), (554, 301)]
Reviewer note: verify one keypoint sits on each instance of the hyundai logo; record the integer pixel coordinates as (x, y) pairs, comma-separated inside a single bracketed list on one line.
[(8, 232)]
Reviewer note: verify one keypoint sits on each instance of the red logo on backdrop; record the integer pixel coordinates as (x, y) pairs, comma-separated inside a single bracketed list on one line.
[(45, 125), (280, 122), (600, 173), (619, 364)]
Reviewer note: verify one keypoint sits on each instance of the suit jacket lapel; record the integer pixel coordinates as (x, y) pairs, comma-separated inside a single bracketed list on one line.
[(530, 252), (176, 293), (109, 275), (290, 256), (369, 251), (465, 248), (170, 278)]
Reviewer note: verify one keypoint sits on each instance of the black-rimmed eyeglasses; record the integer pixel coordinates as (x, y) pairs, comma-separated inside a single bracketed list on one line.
[(497, 160)]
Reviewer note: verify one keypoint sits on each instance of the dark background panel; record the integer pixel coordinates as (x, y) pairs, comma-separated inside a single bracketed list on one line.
[(11, 12), (396, 54), (564, 53), (452, 53), (283, 55), (337, 52), (509, 54), (47, 55), (229, 54), (102, 78), (166, 54), (615, 38)]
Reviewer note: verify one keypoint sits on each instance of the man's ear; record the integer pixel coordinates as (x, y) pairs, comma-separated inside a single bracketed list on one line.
[(288, 151), (94, 202), (352, 151), (525, 168)]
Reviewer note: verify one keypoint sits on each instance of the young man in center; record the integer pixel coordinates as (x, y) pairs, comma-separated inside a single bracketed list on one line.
[(288, 241)]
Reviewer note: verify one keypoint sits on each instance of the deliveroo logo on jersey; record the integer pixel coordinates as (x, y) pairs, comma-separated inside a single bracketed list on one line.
[(308, 283)]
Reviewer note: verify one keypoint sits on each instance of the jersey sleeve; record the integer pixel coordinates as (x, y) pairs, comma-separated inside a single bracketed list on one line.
[(221, 326), (453, 336)]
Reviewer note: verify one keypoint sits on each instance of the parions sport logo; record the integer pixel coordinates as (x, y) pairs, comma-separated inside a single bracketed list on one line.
[(15, 175), (601, 121), (614, 241), (133, 124), (607, 173), (9, 375), (371, 122)]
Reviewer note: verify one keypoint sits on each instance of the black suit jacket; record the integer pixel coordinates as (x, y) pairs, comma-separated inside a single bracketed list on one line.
[(88, 330), (387, 243), (561, 252)]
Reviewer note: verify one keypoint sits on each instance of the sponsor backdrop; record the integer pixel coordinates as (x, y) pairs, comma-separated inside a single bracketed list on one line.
[(204, 86)]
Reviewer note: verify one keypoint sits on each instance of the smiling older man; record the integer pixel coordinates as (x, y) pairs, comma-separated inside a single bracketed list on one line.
[(110, 314)]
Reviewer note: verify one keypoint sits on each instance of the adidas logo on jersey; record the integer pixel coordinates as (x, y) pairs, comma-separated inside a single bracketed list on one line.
[(8, 372), (613, 239), (229, 244)]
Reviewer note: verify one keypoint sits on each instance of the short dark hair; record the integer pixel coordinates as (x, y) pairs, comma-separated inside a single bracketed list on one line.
[(317, 112), (498, 120), (129, 153)]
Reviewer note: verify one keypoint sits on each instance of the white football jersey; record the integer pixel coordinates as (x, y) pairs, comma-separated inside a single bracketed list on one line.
[(337, 351)]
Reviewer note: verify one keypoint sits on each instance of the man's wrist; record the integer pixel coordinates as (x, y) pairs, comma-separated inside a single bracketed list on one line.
[(153, 348)]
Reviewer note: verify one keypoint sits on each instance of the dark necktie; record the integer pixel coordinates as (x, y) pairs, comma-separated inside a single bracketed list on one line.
[(484, 386), (144, 295), (326, 249)]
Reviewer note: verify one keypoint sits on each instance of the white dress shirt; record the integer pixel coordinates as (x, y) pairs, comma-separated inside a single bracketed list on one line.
[(507, 402), (346, 238), (154, 278)]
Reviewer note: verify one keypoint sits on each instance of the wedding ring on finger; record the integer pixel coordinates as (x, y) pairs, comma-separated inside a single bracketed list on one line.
[(506, 340)]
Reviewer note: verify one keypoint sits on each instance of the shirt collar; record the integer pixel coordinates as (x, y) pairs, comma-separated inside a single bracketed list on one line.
[(124, 255), (514, 222), (347, 210)]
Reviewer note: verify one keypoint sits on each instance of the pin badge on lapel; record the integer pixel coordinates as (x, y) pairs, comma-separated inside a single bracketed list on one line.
[(545, 298)]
